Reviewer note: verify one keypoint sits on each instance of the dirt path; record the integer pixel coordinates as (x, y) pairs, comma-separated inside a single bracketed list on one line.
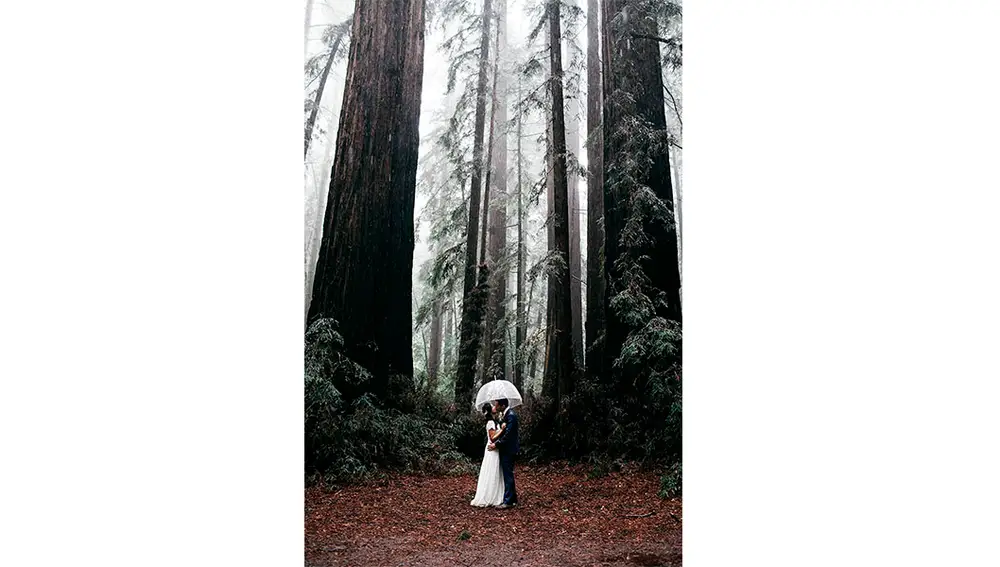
[(564, 519)]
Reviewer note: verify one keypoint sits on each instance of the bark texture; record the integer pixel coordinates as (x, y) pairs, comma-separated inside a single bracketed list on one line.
[(364, 271), (559, 369), (550, 229), (595, 194), (573, 187), (488, 257), (434, 356), (521, 332), (472, 318), (496, 314), (633, 92)]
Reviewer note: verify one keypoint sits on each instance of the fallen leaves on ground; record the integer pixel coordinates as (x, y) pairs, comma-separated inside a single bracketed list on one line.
[(564, 518)]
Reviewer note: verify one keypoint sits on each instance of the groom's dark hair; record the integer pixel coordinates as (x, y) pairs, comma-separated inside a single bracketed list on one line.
[(503, 403)]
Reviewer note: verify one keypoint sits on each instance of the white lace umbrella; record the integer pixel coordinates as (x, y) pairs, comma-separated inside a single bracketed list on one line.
[(498, 390)]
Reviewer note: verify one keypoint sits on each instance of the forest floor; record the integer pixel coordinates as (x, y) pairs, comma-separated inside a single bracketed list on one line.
[(564, 519)]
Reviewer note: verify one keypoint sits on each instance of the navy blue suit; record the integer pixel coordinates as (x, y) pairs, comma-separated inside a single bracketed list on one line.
[(508, 444)]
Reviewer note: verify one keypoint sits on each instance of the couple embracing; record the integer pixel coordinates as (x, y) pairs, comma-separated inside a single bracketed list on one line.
[(496, 475)]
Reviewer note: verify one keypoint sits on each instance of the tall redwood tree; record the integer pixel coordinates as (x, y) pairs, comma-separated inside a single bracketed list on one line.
[(595, 194), (496, 331), (363, 274), (559, 372), (573, 187), (641, 243), (471, 327)]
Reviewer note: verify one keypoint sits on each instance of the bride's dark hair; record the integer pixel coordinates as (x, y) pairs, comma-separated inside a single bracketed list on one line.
[(487, 410)]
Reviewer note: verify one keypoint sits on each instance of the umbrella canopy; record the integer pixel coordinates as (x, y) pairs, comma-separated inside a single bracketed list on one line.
[(498, 390)]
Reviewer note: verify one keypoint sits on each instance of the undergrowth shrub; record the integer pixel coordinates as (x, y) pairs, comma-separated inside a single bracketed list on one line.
[(356, 435), (325, 360), (366, 438), (671, 481), (632, 416), (534, 437), (469, 434)]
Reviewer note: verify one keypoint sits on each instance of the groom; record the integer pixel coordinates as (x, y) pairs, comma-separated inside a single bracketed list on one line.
[(508, 445)]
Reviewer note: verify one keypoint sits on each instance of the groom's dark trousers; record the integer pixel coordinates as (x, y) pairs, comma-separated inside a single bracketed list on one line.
[(508, 444), (507, 466)]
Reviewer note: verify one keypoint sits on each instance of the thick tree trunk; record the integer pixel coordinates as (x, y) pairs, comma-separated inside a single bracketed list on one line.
[(522, 317), (364, 271), (550, 232), (450, 340), (633, 91), (434, 356), (575, 276), (533, 367), (530, 303), (314, 113), (422, 383), (472, 333), (471, 319), (559, 369), (496, 353), (573, 187), (595, 194), (486, 348), (530, 360), (487, 197)]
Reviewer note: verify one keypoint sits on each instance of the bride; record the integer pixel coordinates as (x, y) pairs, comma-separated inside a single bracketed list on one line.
[(489, 490)]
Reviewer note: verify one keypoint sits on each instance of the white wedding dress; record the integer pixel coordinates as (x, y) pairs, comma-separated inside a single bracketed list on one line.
[(489, 489)]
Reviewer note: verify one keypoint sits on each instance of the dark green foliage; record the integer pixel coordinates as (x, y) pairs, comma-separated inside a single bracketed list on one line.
[(351, 439), (366, 437), (670, 482), (469, 434), (350, 434), (645, 409), (636, 416), (323, 405), (600, 469), (635, 395), (533, 438), (325, 360)]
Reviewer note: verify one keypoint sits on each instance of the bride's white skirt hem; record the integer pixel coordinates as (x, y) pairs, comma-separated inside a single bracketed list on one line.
[(490, 487)]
